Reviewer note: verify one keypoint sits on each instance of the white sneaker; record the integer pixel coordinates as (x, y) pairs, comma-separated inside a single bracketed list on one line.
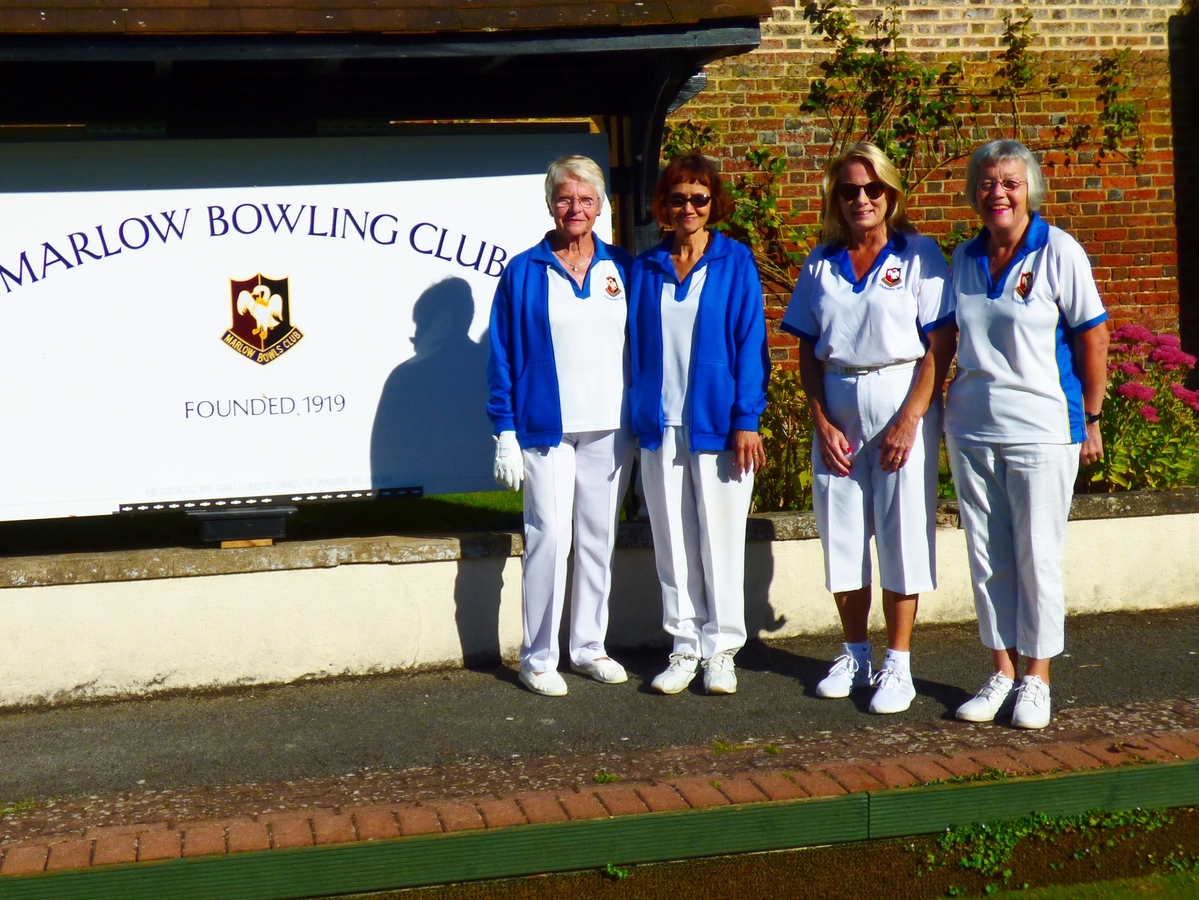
[(548, 684), (894, 691), (720, 676), (604, 670), (1032, 704), (679, 674), (845, 675), (986, 704)]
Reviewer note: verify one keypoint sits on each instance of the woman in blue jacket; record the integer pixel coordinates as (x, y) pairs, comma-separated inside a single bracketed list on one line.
[(557, 376), (697, 336)]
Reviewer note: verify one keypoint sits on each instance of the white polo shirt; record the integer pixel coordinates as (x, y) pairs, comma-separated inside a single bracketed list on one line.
[(1016, 381), (680, 306), (588, 327), (880, 318)]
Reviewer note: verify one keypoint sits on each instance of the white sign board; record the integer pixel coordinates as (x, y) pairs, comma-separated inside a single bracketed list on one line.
[(186, 322)]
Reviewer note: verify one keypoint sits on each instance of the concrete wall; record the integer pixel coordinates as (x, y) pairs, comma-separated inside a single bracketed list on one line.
[(355, 609)]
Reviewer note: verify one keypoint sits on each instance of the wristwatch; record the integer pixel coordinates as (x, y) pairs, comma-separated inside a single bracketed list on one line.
[(1092, 418)]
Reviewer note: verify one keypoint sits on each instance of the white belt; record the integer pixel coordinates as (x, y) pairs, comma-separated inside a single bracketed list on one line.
[(834, 369)]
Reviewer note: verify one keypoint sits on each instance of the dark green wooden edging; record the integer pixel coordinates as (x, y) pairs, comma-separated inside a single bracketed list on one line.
[(465, 856), (565, 846)]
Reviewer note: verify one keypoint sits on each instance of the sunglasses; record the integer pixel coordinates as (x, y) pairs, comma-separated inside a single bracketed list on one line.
[(849, 192), (697, 201)]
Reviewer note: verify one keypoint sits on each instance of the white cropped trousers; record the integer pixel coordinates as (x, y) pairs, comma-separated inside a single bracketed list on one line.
[(899, 509), (697, 511), (574, 487), (1014, 501)]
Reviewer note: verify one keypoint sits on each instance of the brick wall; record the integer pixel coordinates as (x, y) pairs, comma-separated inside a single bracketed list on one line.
[(1123, 215)]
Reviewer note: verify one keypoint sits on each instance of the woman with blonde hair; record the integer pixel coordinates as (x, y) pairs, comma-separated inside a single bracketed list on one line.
[(873, 317)]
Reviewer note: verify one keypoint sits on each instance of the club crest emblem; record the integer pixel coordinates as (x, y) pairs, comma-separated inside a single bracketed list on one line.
[(613, 286), (892, 277), (261, 329), (1024, 288)]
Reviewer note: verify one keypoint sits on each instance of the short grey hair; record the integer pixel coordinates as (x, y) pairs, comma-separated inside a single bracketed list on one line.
[(583, 168), (994, 152)]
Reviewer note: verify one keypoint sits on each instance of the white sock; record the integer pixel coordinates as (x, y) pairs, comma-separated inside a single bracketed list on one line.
[(898, 659), (859, 651)]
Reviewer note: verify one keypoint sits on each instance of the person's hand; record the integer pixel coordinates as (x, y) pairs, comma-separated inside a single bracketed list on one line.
[(1092, 448), (896, 443), (834, 448), (509, 466), (748, 452)]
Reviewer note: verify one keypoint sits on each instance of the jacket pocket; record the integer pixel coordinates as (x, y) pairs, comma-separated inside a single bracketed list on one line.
[(713, 393), (535, 399)]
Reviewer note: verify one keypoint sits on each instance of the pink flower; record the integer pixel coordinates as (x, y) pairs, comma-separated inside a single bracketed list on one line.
[(1170, 358), (1190, 398), (1118, 348), (1168, 340), (1133, 333), (1131, 368), (1149, 414), (1134, 390)]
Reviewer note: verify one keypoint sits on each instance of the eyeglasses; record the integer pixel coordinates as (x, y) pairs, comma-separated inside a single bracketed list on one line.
[(565, 203), (1009, 185), (697, 201), (849, 192)]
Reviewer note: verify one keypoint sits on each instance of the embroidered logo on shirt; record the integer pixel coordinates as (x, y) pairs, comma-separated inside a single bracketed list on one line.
[(892, 277), (613, 287), (1024, 288)]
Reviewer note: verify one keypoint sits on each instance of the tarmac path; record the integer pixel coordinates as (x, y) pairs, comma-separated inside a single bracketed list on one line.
[(461, 728)]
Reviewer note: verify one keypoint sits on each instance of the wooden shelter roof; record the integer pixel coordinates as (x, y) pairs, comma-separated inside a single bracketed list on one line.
[(324, 17)]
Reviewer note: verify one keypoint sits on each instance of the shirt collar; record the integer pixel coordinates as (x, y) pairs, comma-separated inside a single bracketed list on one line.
[(1036, 236), (718, 246), (838, 252), (543, 253)]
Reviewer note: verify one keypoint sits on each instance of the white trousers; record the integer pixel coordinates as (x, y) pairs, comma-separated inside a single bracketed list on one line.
[(576, 486), (1014, 501), (697, 511), (899, 509)]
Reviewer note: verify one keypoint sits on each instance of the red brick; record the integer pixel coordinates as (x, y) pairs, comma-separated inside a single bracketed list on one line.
[(248, 836), (459, 816), (1172, 743), (158, 845), (740, 789), (621, 801), (661, 797), (290, 831), (1035, 760), (115, 848), (1142, 748), (69, 855), (817, 784), (1191, 737), (777, 786), (925, 768), (209, 823), (418, 820), (99, 831), (1108, 751), (700, 792), (992, 758), (23, 859), (890, 774), (203, 839), (541, 806), (332, 828), (852, 778), (376, 822), (1070, 756), (582, 806)]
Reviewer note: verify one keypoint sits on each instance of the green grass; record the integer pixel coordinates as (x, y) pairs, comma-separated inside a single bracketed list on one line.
[(1181, 884)]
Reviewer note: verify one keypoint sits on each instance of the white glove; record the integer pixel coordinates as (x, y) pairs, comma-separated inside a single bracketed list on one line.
[(509, 467)]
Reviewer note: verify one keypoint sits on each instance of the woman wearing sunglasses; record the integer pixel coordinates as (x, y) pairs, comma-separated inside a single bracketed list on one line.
[(697, 336), (1022, 413), (557, 375), (872, 313)]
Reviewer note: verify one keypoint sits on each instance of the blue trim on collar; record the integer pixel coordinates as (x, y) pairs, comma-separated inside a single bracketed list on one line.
[(1036, 236), (718, 246), (838, 252), (542, 253)]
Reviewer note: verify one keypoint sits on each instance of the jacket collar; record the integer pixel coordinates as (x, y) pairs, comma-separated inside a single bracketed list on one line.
[(718, 246)]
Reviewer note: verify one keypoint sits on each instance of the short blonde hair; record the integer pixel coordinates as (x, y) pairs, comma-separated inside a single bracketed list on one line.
[(832, 224), (581, 168), (995, 152)]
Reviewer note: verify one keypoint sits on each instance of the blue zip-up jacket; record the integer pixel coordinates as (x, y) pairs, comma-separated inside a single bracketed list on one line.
[(730, 363), (522, 377)]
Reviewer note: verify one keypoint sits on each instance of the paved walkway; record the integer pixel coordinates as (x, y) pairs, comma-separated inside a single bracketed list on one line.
[(369, 759)]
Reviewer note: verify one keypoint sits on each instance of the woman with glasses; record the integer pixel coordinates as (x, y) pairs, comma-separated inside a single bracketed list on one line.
[(1022, 413), (872, 313), (697, 335), (558, 379)]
